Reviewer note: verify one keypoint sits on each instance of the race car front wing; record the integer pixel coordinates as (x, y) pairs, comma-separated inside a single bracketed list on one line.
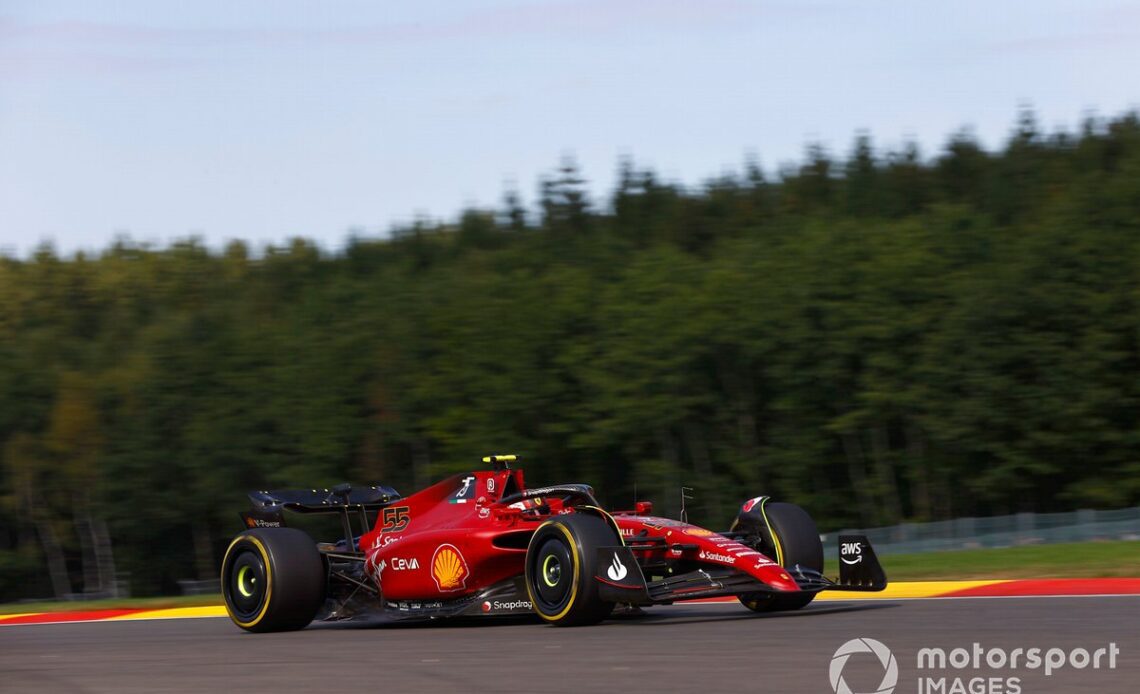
[(622, 580)]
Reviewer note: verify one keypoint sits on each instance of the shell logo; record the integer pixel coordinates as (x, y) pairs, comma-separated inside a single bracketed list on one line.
[(449, 569), (699, 532)]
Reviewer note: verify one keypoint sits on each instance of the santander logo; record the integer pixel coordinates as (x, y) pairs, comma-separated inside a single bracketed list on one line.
[(617, 570)]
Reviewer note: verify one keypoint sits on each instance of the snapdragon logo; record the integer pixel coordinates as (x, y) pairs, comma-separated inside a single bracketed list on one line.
[(856, 646)]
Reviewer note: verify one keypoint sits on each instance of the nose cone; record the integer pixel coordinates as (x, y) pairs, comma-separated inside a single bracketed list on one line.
[(777, 577)]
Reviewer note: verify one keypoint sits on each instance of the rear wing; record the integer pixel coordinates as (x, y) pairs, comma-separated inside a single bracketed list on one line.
[(326, 500), (268, 507)]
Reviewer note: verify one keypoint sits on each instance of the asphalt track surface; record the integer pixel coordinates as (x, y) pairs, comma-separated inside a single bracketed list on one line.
[(697, 648)]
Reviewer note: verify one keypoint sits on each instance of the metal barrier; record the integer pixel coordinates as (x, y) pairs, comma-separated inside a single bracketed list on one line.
[(206, 587), (1004, 531)]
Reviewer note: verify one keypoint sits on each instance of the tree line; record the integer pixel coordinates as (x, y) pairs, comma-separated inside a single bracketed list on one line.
[(878, 336)]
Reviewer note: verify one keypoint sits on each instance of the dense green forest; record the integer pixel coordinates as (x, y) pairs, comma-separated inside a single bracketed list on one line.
[(878, 336)]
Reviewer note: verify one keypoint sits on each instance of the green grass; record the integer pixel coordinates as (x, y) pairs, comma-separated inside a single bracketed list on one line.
[(1084, 560), (1081, 560)]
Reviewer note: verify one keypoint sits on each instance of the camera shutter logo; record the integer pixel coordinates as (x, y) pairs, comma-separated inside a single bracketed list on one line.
[(855, 646)]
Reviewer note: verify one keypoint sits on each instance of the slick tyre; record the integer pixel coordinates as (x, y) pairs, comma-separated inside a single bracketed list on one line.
[(273, 579), (561, 562), (790, 537)]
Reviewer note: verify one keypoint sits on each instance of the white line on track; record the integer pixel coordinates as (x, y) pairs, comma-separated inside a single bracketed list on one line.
[(925, 597), (677, 604)]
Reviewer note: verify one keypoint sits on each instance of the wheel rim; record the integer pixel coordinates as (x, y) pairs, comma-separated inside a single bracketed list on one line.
[(551, 570), (246, 584), (553, 578)]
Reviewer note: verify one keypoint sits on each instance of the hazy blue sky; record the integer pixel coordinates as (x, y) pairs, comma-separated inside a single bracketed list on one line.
[(264, 120)]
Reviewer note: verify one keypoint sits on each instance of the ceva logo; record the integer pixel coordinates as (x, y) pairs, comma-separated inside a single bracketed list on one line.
[(854, 646)]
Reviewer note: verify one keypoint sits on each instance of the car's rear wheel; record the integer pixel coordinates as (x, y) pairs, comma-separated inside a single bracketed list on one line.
[(786, 533), (561, 562), (273, 579)]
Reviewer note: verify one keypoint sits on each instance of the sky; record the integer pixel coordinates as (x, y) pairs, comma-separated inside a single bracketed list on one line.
[(268, 120)]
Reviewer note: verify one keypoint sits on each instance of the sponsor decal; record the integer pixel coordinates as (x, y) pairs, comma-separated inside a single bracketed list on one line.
[(399, 564), (414, 606), (617, 570), (258, 523), (713, 556), (751, 503), (676, 551), (627, 532), (466, 492), (512, 606), (851, 553), (491, 485), (374, 568), (699, 532), (484, 512), (395, 519), (546, 491), (732, 547), (385, 540), (762, 562), (449, 569), (489, 606)]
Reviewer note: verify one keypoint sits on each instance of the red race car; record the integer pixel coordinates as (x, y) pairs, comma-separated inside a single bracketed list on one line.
[(483, 544)]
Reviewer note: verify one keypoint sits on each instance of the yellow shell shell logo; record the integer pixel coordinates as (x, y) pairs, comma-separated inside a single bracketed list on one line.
[(449, 569), (699, 532)]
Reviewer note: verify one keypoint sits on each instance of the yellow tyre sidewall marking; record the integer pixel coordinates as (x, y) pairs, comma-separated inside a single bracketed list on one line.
[(268, 580), (574, 583), (775, 537)]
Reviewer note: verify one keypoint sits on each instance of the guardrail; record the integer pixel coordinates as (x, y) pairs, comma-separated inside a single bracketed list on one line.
[(1003, 531), (205, 587)]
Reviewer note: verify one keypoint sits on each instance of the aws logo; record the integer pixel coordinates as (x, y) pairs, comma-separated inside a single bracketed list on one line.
[(854, 550), (449, 569)]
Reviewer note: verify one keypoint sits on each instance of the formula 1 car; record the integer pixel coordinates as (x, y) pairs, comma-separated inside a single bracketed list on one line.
[(483, 544)]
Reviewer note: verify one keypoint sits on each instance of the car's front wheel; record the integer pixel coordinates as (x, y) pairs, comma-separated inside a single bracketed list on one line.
[(786, 533), (273, 579), (561, 562)]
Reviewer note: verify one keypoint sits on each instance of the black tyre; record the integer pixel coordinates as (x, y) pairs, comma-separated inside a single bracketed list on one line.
[(561, 562), (273, 579), (786, 533)]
